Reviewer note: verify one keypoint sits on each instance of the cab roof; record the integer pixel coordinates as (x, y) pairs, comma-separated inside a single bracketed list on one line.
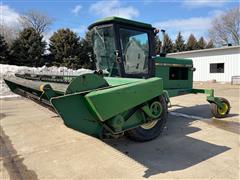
[(119, 20)]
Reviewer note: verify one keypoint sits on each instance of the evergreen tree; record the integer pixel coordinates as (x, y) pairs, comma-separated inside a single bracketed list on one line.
[(201, 44), (86, 51), (191, 43), (168, 45), (157, 45), (65, 47), (179, 43), (28, 48), (210, 45), (4, 53)]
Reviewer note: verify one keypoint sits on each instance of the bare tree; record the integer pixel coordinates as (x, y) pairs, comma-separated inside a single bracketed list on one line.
[(37, 20), (225, 28), (9, 33)]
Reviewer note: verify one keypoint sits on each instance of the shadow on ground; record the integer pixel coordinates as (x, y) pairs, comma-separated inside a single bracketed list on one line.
[(12, 161), (172, 151), (202, 110)]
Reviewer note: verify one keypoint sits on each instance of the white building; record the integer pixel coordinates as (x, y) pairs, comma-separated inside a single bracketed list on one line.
[(218, 64)]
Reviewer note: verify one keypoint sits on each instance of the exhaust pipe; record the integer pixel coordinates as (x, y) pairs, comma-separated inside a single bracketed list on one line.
[(162, 50)]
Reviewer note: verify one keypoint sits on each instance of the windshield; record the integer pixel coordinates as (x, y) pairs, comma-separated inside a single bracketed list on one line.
[(104, 48)]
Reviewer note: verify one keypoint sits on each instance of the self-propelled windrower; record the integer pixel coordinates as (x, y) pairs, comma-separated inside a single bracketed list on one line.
[(128, 93)]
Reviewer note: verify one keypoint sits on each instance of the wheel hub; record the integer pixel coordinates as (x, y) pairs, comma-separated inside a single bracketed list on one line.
[(149, 125), (156, 110), (224, 109)]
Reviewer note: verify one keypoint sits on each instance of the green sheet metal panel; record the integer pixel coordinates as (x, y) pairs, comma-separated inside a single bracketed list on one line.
[(75, 112), (162, 70), (173, 60), (86, 82), (122, 21), (178, 92), (113, 81), (107, 103)]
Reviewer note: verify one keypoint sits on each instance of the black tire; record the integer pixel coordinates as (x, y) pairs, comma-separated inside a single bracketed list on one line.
[(216, 110), (141, 135)]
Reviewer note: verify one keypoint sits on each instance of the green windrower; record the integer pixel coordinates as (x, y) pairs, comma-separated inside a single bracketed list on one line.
[(129, 91)]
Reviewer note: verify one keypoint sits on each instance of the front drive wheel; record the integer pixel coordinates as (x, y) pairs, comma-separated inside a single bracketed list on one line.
[(150, 130), (221, 112)]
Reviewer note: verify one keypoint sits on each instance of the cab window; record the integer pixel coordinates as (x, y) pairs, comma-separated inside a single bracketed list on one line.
[(135, 51)]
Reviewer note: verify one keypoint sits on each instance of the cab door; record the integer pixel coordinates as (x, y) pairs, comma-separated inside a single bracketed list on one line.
[(135, 51)]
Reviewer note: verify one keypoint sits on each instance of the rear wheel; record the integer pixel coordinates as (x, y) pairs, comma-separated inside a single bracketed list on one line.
[(153, 129), (220, 112)]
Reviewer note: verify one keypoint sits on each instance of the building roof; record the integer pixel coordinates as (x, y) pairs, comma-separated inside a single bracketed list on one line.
[(204, 50), (121, 21)]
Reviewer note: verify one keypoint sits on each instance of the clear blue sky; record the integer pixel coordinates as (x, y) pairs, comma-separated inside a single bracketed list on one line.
[(174, 16)]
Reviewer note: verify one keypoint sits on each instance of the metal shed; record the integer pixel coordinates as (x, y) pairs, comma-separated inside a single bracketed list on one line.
[(219, 64)]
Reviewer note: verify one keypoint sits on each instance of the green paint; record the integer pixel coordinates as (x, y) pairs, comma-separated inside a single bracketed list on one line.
[(173, 60), (210, 92), (75, 113), (119, 20), (216, 101), (86, 82), (137, 119), (109, 102), (113, 81), (163, 71)]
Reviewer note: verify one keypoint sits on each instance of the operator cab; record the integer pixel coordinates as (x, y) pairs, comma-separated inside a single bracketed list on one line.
[(126, 48), (123, 47)]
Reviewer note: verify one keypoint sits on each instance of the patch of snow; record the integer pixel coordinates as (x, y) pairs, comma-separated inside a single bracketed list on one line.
[(10, 70)]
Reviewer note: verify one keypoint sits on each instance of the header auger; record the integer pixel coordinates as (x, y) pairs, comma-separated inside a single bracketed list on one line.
[(129, 91)]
